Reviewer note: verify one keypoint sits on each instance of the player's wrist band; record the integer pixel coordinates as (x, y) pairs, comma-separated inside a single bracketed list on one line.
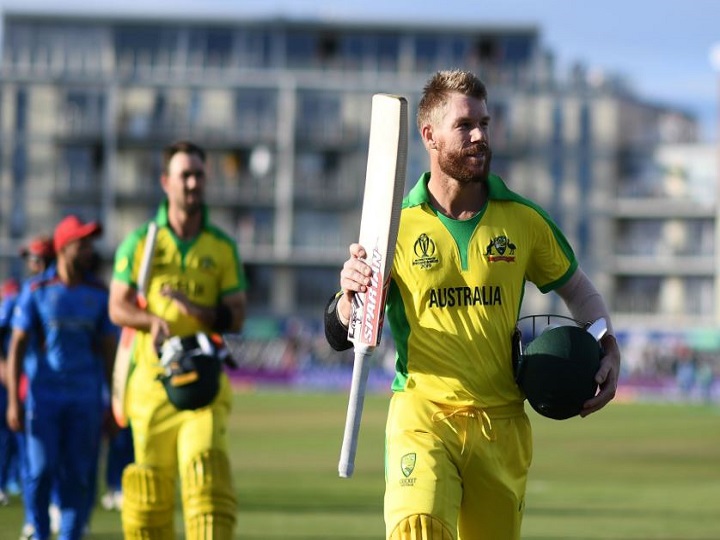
[(335, 330), (223, 318)]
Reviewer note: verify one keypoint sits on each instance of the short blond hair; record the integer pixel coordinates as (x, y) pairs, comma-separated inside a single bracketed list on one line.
[(440, 86)]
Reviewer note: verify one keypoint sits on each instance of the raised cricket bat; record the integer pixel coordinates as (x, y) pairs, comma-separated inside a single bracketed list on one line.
[(123, 355), (382, 200)]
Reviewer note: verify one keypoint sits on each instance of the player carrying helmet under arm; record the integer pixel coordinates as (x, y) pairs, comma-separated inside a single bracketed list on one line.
[(458, 439), (197, 285)]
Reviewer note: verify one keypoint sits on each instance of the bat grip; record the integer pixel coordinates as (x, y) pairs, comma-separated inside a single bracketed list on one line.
[(361, 368)]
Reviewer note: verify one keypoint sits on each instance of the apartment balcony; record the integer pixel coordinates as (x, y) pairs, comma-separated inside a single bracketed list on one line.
[(329, 135), (329, 191), (78, 127), (77, 189), (662, 208), (256, 192), (702, 265)]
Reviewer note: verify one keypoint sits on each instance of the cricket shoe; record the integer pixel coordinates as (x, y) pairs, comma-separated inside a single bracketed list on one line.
[(55, 516), (28, 532)]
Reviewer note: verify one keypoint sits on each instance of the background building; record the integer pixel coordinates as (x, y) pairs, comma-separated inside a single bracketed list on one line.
[(86, 104)]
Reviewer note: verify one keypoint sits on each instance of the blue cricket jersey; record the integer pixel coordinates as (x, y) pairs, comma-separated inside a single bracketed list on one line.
[(67, 322)]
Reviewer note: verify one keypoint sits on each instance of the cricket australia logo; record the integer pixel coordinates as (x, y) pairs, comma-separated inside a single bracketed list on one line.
[(424, 249), (500, 248), (407, 464), (207, 263)]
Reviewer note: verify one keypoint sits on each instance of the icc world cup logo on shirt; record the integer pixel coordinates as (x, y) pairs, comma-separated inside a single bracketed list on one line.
[(424, 249), (500, 248)]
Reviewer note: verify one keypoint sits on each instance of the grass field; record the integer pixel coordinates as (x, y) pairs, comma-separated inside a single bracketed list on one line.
[(632, 472)]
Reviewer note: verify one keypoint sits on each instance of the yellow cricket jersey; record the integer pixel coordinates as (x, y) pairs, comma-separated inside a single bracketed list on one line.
[(205, 269), (456, 292)]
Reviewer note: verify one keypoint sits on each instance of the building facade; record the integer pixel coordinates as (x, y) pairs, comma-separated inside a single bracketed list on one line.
[(87, 103)]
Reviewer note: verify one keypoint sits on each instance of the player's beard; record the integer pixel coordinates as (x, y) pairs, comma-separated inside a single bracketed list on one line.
[(455, 163), (192, 205)]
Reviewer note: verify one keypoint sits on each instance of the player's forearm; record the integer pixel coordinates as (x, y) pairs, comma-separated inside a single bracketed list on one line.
[(584, 302), (130, 315), (336, 330)]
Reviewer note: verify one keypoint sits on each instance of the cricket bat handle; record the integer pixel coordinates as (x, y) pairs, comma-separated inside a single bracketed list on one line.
[(361, 368)]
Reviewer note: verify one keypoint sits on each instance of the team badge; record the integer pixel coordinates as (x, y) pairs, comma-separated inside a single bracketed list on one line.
[(424, 249), (500, 248), (207, 263), (407, 464)]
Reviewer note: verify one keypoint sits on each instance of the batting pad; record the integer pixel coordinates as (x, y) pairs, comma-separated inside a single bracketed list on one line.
[(148, 504), (209, 502), (421, 527)]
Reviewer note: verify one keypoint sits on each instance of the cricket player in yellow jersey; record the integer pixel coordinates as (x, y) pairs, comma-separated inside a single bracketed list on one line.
[(197, 284), (459, 444)]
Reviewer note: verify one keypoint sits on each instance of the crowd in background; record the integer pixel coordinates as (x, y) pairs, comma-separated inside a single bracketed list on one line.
[(293, 350)]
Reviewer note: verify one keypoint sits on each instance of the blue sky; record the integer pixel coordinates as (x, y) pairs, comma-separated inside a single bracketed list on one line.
[(661, 46)]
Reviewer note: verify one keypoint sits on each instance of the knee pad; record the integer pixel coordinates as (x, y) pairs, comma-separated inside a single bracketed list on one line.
[(148, 504), (421, 527), (209, 502)]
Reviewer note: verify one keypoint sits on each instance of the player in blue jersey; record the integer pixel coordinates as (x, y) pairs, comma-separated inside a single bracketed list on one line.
[(65, 310), (38, 255), (8, 447)]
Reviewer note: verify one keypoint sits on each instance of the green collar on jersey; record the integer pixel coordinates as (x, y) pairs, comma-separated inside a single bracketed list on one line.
[(496, 190), (161, 217)]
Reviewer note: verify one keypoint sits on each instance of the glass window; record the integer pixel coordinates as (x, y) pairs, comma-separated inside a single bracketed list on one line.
[(388, 51), (517, 49), (317, 229), (318, 285), (79, 168), (319, 116), (256, 111), (142, 46), (458, 51), (300, 49), (213, 46), (637, 294), (254, 48), (353, 49), (426, 52), (259, 281)]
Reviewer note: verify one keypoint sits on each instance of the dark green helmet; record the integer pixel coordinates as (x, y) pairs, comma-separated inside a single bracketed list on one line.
[(192, 367), (557, 371)]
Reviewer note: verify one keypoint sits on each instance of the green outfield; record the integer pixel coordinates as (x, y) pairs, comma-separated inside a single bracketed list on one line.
[(632, 472)]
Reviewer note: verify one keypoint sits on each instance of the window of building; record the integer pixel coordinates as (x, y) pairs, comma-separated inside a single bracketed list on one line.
[(426, 53), (259, 285), (301, 49), (517, 49), (699, 296), (388, 52), (318, 285), (319, 117), (145, 46), (253, 48), (80, 168), (256, 112), (211, 47), (314, 228), (637, 294)]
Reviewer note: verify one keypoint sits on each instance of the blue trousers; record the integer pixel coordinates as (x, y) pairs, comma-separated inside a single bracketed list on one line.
[(63, 441)]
